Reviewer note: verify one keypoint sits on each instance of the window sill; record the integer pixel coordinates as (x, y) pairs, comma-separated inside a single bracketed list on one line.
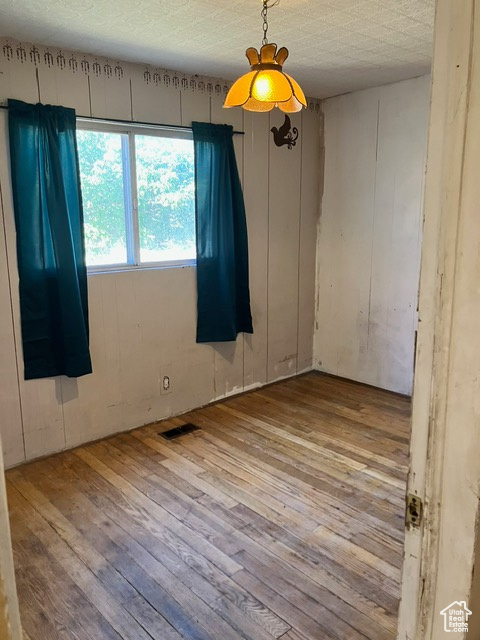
[(152, 266)]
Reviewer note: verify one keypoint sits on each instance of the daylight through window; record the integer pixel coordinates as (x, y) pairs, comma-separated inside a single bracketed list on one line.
[(138, 195)]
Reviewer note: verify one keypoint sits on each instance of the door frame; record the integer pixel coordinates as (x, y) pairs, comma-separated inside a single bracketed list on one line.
[(445, 446), (10, 627)]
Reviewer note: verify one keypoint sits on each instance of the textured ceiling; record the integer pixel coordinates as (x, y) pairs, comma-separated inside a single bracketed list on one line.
[(335, 45)]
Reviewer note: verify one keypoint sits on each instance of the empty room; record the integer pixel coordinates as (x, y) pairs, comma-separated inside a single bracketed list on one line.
[(238, 366)]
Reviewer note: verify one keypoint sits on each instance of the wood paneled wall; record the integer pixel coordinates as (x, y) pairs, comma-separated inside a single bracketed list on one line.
[(143, 323), (370, 233)]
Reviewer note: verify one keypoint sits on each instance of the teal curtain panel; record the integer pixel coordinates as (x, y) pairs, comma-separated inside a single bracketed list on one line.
[(223, 295), (50, 244)]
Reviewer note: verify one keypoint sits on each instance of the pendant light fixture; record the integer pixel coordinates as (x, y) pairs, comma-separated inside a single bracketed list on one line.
[(266, 86)]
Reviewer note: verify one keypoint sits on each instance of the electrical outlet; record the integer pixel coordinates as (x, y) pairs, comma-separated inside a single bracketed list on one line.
[(165, 385)]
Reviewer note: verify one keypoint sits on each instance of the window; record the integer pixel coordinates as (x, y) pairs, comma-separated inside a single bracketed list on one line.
[(138, 195)]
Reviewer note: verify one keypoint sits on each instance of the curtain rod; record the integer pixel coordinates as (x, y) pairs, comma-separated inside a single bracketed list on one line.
[(146, 124)]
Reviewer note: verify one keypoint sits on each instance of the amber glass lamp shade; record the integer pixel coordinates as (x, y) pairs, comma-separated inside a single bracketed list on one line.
[(266, 86)]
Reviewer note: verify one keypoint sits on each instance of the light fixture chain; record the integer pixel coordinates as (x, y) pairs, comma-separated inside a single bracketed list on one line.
[(265, 23), (265, 8), (266, 86)]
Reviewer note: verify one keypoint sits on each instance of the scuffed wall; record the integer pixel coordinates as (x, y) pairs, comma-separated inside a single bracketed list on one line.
[(143, 322), (370, 234)]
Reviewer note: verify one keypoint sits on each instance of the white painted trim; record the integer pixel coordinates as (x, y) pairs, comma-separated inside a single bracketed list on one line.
[(131, 211), (129, 199), (445, 448), (144, 266), (9, 613)]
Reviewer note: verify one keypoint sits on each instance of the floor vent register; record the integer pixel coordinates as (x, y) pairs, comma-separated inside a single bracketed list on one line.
[(171, 434)]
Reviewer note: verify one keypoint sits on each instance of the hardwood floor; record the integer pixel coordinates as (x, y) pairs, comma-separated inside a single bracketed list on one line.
[(281, 518)]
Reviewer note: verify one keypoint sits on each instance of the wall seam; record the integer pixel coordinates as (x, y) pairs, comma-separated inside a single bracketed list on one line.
[(38, 84), (299, 236), (15, 346), (243, 188), (268, 250), (89, 95), (131, 98), (373, 224)]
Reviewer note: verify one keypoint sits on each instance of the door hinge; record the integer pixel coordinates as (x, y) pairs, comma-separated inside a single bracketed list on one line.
[(414, 511)]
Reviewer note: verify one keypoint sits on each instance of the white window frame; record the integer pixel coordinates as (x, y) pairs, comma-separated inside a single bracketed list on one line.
[(131, 129)]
